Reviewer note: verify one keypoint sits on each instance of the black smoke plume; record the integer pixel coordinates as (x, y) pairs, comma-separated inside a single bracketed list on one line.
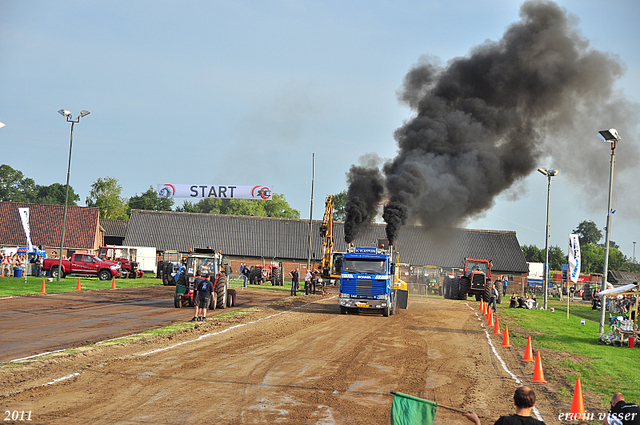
[(364, 193), (482, 121)]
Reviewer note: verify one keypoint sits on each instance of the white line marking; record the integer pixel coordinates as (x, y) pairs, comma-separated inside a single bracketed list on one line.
[(504, 365)]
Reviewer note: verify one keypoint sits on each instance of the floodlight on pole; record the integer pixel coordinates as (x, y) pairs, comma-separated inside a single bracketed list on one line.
[(70, 119), (545, 286), (609, 136)]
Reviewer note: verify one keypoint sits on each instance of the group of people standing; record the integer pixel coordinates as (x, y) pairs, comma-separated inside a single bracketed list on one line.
[(10, 263), (310, 282)]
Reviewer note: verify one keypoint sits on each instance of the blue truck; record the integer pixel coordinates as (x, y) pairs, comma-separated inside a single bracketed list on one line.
[(367, 280)]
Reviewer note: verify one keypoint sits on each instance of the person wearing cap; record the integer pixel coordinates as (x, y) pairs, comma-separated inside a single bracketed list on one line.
[(205, 289)]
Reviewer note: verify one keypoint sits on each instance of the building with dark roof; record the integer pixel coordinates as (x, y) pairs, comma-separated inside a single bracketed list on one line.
[(82, 233), (287, 240), (114, 231)]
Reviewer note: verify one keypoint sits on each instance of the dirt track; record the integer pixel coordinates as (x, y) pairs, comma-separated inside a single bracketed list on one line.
[(296, 361)]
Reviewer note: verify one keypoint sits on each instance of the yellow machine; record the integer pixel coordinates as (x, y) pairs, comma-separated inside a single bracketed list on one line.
[(331, 264)]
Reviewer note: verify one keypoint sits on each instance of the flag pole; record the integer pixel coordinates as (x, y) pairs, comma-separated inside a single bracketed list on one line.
[(446, 407)]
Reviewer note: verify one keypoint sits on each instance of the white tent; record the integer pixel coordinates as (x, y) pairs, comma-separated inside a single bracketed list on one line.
[(619, 290)]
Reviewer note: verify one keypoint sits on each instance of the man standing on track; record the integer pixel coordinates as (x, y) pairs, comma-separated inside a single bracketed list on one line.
[(205, 289), (493, 297), (295, 281), (196, 283)]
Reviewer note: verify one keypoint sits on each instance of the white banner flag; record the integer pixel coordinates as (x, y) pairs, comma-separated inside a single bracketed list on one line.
[(214, 191), (574, 257), (24, 216)]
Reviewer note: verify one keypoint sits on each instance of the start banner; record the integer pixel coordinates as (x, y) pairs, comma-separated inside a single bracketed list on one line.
[(167, 190)]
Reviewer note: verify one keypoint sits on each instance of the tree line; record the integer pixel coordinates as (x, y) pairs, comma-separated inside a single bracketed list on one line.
[(106, 194), (591, 252)]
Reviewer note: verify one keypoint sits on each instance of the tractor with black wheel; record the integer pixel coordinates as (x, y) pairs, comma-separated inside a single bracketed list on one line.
[(267, 273), (205, 261), (474, 280)]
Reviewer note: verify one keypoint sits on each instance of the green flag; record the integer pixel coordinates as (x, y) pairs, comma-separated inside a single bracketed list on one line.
[(410, 410)]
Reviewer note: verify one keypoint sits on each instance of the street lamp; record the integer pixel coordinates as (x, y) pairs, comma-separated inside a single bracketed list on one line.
[(609, 136), (70, 119), (549, 174)]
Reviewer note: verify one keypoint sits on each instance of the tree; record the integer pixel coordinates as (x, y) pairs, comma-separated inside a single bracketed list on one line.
[(276, 207), (532, 254), (106, 195), (339, 204), (588, 233), (150, 200), (15, 187), (55, 194), (188, 206), (556, 258)]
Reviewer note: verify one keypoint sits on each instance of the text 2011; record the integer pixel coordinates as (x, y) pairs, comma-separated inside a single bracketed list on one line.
[(17, 415)]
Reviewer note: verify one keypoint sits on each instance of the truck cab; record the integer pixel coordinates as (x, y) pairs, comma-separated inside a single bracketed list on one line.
[(367, 281)]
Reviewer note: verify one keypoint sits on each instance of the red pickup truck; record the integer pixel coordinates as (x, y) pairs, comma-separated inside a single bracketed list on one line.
[(83, 265)]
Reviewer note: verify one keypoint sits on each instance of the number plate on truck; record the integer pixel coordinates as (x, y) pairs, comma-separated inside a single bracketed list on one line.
[(362, 305)]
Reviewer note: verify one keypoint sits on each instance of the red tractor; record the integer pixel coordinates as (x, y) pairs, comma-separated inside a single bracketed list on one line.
[(129, 268), (268, 272), (475, 280)]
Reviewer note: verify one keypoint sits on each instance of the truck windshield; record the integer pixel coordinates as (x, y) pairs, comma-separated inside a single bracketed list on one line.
[(364, 266)]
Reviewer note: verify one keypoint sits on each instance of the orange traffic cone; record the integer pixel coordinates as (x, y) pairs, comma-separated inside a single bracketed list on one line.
[(538, 374), (78, 288), (496, 328), (505, 339), (490, 318), (43, 289), (528, 352), (577, 407), (481, 304), (484, 309), (113, 283)]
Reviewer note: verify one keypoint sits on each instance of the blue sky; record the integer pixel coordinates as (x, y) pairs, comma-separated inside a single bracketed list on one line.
[(241, 92)]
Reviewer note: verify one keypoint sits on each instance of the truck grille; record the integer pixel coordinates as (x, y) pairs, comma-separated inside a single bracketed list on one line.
[(366, 288)]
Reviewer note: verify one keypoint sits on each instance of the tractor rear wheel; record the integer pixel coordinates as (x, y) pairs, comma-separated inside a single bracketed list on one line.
[(445, 287), (255, 275), (487, 292), (463, 287), (231, 298), (498, 283), (159, 269), (221, 295), (177, 301), (275, 276), (453, 288), (166, 273)]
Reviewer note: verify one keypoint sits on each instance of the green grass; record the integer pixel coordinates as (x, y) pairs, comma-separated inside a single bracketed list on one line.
[(602, 369), (17, 285)]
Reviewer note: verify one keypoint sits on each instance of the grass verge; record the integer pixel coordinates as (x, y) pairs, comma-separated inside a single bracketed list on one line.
[(602, 369), (17, 286)]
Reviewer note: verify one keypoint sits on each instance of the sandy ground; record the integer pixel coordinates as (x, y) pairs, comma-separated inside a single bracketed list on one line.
[(294, 361)]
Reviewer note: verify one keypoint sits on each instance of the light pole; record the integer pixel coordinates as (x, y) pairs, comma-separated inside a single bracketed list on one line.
[(70, 119), (549, 174), (609, 136)]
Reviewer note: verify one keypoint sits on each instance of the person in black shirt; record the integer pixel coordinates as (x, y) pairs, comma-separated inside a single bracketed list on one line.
[(524, 399), (621, 412), (205, 289), (295, 276), (196, 282)]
